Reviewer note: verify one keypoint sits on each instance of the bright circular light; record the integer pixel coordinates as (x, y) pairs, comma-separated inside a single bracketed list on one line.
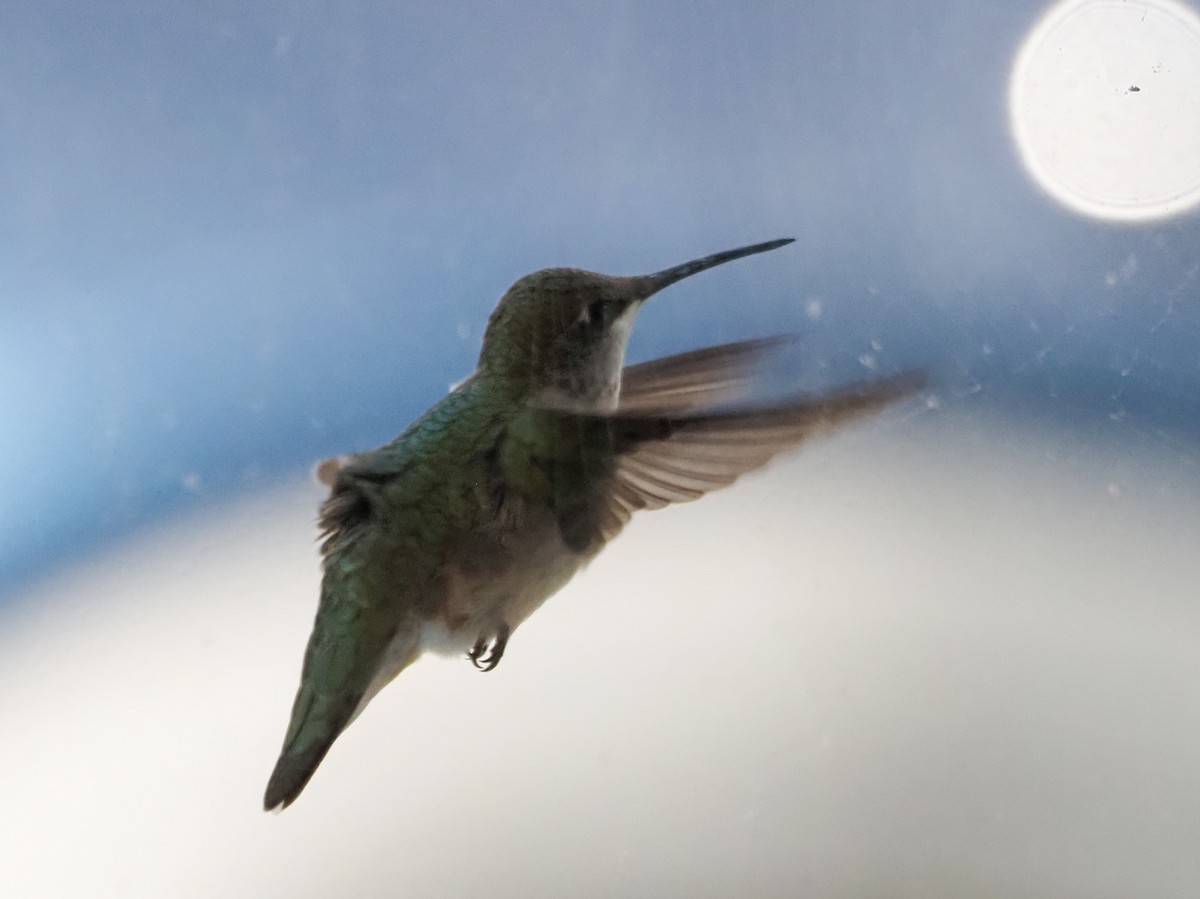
[(1104, 100)]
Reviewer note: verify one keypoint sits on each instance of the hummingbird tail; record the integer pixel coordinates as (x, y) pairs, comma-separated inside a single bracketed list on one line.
[(291, 775), (325, 708), (309, 738)]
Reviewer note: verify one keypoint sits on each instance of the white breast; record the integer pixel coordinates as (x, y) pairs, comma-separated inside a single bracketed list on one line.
[(538, 565)]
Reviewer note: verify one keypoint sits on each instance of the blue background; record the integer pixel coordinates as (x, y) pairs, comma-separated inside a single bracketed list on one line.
[(237, 238)]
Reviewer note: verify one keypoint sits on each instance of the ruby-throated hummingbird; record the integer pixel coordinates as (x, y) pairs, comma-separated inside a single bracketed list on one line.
[(451, 535)]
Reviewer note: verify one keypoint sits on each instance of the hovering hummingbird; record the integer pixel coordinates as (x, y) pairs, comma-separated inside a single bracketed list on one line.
[(451, 535)]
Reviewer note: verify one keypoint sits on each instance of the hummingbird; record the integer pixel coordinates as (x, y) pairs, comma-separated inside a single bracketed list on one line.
[(451, 535)]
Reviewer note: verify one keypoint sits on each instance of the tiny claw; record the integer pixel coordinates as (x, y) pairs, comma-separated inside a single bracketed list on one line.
[(487, 652)]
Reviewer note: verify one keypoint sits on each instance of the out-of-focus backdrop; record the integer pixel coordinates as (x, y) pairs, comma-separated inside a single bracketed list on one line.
[(951, 652)]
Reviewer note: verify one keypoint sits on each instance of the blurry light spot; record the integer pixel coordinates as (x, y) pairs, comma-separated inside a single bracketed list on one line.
[(191, 482), (867, 361), (814, 309), (1104, 102)]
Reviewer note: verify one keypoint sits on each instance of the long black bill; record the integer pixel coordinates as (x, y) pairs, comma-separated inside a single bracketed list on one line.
[(651, 284)]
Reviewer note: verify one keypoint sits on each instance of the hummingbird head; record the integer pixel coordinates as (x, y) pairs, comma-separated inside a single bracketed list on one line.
[(563, 331)]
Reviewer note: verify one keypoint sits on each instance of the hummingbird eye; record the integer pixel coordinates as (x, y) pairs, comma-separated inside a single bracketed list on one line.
[(596, 312)]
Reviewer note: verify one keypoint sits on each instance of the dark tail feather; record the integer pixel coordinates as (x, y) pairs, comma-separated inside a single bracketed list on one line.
[(292, 773), (343, 669), (315, 725)]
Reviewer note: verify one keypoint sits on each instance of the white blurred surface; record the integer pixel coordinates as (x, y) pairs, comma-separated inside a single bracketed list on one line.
[(1103, 103), (947, 656)]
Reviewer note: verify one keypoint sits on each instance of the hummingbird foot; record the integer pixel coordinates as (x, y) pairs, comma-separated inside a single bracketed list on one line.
[(487, 651)]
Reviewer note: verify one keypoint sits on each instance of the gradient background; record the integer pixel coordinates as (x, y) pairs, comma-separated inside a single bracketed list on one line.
[(948, 653)]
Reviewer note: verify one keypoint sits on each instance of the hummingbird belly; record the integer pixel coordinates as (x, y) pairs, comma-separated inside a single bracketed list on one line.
[(498, 583)]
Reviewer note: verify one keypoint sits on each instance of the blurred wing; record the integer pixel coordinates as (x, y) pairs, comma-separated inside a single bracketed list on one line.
[(707, 377), (664, 459), (326, 470)]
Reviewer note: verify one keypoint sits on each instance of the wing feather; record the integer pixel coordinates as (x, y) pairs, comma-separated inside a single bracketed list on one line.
[(664, 459), (700, 378)]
